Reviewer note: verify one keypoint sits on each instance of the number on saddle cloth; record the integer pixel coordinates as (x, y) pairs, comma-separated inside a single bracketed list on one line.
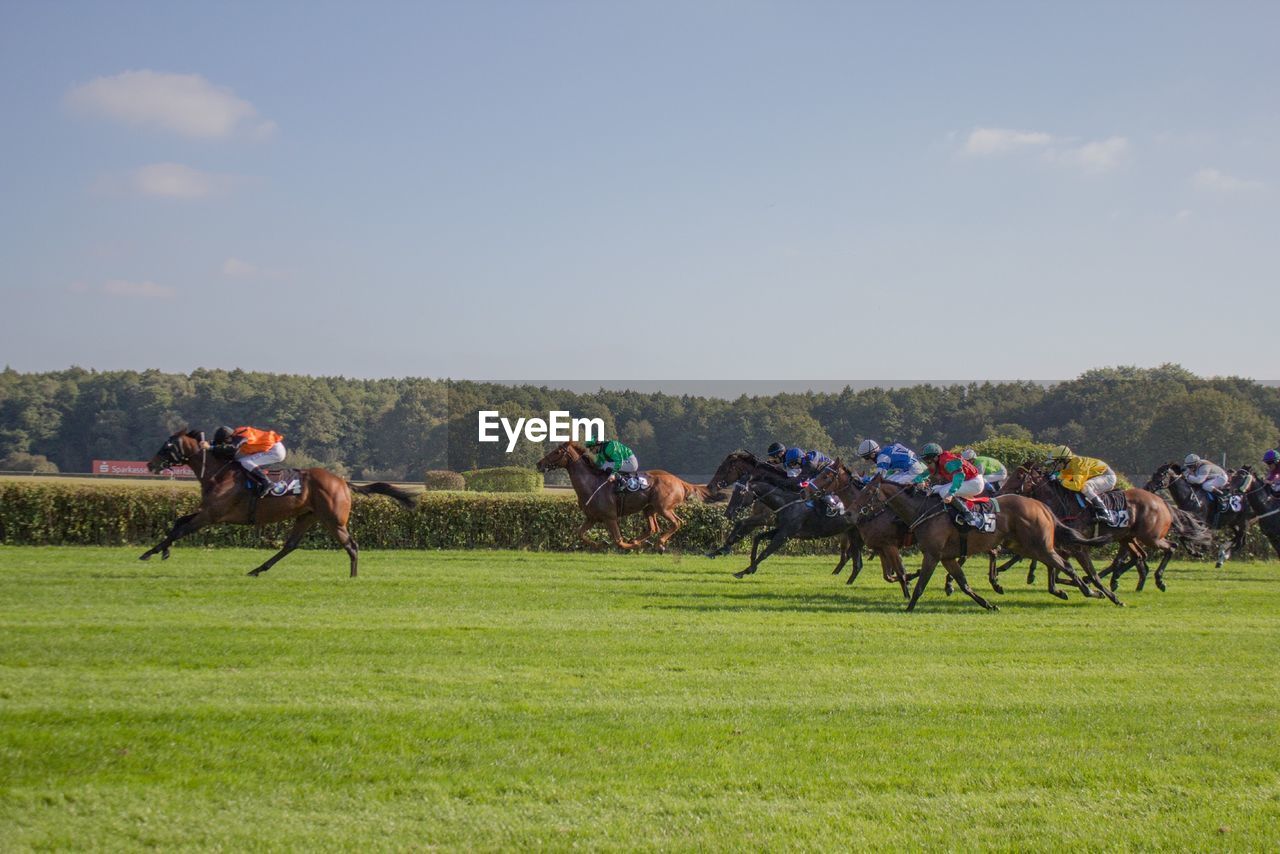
[(979, 513), (286, 482)]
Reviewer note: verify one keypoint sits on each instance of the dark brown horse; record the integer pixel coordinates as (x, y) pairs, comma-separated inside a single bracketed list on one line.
[(1171, 477), (324, 498), (602, 505), (1150, 523), (1265, 504), (881, 531), (1023, 525)]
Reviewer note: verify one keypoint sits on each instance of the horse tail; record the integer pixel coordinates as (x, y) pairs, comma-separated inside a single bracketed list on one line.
[(1190, 531), (405, 499), (1075, 538), (699, 489)]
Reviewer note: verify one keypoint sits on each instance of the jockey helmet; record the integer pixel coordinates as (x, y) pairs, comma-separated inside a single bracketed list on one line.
[(222, 435), (969, 454), (793, 458), (777, 449), (1191, 460), (1062, 452), (868, 448), (1271, 457), (932, 449)]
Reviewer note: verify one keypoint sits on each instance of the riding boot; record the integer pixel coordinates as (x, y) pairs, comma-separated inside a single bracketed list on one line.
[(259, 477)]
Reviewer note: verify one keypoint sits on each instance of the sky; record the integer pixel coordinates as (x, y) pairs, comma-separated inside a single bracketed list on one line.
[(693, 190)]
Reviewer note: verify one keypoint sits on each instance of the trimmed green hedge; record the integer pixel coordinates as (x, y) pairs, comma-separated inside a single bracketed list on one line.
[(129, 514), (503, 479), (443, 481)]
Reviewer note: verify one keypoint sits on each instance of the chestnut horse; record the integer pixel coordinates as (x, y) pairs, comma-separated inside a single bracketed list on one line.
[(325, 497), (603, 506), (1151, 519), (1023, 525)]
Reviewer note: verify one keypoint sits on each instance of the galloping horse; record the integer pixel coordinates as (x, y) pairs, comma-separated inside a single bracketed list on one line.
[(794, 520), (1023, 525), (1266, 508), (325, 497), (603, 506), (1151, 521), (1171, 477)]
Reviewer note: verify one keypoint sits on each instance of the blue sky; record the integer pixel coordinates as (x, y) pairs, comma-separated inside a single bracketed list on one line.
[(629, 191)]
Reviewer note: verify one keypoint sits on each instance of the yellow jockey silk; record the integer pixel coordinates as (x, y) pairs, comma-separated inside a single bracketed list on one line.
[(1080, 470)]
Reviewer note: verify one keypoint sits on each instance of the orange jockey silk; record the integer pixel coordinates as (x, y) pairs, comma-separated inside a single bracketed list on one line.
[(255, 441)]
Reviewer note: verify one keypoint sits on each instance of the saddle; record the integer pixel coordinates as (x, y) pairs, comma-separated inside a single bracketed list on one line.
[(283, 482), (1115, 501), (635, 482), (978, 513)]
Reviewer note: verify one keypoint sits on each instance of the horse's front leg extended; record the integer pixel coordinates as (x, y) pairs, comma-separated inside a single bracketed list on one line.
[(185, 525)]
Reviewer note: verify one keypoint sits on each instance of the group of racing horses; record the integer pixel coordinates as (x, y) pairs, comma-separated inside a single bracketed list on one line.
[(1035, 518)]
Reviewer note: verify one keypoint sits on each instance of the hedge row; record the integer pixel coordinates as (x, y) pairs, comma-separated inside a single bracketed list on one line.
[(503, 479), (75, 514)]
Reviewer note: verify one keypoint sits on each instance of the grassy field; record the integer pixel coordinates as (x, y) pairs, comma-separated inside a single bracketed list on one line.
[(509, 700)]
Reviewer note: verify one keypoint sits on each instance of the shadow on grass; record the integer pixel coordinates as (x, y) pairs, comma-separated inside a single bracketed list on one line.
[(835, 603)]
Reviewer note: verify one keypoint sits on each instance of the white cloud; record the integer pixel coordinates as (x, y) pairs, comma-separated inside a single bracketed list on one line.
[(238, 269), (1220, 182), (1101, 156), (175, 181), (185, 104), (144, 290), (983, 142)]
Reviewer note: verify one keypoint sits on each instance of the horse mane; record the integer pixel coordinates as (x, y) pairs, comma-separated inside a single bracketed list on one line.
[(587, 456)]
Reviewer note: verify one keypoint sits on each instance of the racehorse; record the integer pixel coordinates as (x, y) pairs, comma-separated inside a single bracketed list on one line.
[(602, 505), (1265, 505), (1023, 525), (1150, 522), (324, 497), (740, 466), (1172, 477)]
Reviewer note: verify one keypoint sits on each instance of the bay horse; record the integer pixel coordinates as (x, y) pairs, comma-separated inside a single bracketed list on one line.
[(603, 506), (1151, 520), (740, 466), (1023, 525), (325, 498), (1171, 477)]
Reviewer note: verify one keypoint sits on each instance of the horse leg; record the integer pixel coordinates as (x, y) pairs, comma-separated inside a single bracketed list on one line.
[(676, 525), (922, 579), (1031, 573), (993, 573), (736, 533), (1010, 562), (900, 572), (955, 571), (582, 535), (182, 527), (300, 527), (1167, 548), (615, 534), (1124, 559), (774, 543)]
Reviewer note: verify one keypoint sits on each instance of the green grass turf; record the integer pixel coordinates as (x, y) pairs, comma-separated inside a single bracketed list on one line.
[(509, 700)]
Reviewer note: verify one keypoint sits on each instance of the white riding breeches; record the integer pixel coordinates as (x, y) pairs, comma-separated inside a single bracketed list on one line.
[(908, 477), (628, 466), (274, 454), (1095, 486), (1214, 482), (970, 488)]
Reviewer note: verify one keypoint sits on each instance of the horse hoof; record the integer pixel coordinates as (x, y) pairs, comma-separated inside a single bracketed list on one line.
[(712, 555), (1114, 586), (991, 607), (997, 588), (1160, 586), (742, 574), (1060, 594), (164, 555), (145, 556), (254, 572)]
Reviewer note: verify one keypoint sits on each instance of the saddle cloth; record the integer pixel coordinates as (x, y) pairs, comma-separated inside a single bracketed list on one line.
[(983, 509), (283, 482), (635, 482), (1115, 501)]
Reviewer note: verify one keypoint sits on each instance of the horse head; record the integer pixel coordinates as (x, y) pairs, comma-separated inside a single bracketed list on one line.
[(1163, 477), (561, 457), (1024, 479), (734, 466), (833, 478), (176, 451), (743, 497)]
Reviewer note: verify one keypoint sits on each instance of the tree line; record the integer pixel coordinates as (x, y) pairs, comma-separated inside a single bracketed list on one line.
[(1135, 418)]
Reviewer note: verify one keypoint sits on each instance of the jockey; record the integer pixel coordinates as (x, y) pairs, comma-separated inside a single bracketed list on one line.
[(813, 462), (775, 453), (1206, 475), (896, 463), (1084, 475), (251, 448), (1272, 459), (993, 471), (792, 460), (615, 458), (958, 476)]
